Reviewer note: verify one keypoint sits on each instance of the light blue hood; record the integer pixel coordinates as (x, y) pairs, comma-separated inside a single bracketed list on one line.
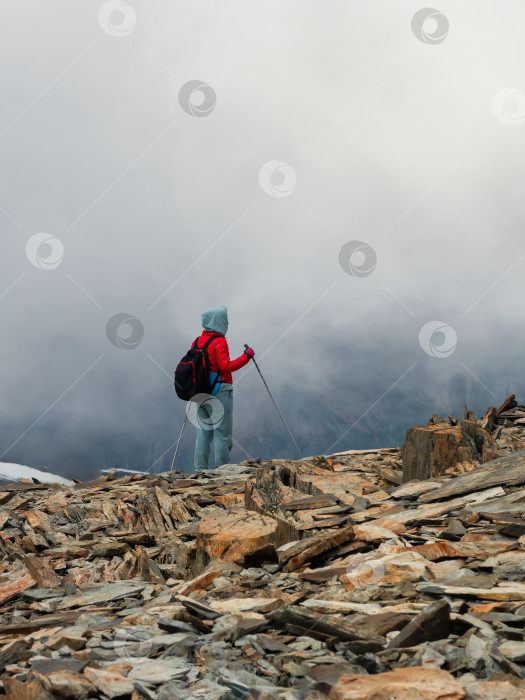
[(216, 320)]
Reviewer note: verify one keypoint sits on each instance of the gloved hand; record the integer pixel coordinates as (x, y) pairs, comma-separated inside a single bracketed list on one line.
[(249, 352)]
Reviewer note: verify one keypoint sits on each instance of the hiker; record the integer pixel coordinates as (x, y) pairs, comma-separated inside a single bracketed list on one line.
[(216, 321)]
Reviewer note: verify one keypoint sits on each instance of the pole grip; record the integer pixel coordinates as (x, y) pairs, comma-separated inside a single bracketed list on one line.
[(251, 358)]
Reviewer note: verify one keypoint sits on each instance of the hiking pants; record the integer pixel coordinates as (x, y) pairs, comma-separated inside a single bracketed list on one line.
[(217, 425)]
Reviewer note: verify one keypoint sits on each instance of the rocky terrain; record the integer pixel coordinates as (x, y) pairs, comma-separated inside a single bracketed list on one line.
[(389, 573)]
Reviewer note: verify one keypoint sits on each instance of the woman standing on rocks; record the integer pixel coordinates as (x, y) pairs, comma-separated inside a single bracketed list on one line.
[(211, 425)]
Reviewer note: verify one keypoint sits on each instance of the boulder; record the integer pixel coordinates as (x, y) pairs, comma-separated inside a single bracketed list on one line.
[(230, 536), (431, 450)]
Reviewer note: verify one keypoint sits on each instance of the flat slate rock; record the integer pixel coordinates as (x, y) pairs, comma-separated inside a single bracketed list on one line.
[(101, 594), (508, 470), (45, 666), (401, 684)]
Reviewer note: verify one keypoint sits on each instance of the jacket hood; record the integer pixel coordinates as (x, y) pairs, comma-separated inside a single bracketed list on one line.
[(216, 320)]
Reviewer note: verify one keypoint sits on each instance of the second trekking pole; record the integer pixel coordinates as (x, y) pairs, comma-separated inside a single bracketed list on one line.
[(180, 437), (277, 407)]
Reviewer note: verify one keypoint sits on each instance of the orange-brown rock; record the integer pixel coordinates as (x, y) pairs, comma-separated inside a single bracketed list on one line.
[(374, 533), (201, 581), (494, 690), (35, 688), (490, 419), (232, 535), (312, 479), (416, 683), (510, 402), (231, 499), (434, 551), (21, 581), (41, 571), (266, 495), (432, 449), (304, 551)]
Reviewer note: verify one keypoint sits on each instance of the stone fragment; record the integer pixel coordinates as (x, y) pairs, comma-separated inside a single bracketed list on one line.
[(413, 489), (416, 683), (110, 682), (430, 624), (490, 419), (20, 581), (515, 651), (230, 536), (493, 690), (100, 593), (67, 684), (509, 403), (41, 572), (304, 551), (36, 687)]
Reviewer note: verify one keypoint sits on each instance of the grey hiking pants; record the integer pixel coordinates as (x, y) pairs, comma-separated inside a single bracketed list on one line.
[(215, 422)]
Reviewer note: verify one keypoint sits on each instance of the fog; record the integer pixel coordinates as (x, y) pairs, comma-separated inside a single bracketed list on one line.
[(347, 173)]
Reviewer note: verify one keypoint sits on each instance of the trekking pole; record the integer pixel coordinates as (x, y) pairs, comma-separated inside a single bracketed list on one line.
[(180, 437), (279, 412)]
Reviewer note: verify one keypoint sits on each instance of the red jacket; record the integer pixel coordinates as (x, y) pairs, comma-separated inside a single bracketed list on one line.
[(219, 357)]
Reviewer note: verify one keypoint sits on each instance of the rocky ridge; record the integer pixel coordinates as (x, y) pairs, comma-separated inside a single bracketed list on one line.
[(325, 577)]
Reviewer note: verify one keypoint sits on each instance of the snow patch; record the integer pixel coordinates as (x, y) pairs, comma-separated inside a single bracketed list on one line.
[(10, 473)]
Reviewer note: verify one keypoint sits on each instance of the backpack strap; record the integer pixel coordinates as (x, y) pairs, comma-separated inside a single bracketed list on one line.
[(204, 350), (210, 339)]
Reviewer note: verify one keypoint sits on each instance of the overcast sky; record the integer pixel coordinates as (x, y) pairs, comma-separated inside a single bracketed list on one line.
[(346, 174)]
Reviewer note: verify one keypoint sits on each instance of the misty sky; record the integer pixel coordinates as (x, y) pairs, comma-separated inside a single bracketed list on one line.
[(318, 125)]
